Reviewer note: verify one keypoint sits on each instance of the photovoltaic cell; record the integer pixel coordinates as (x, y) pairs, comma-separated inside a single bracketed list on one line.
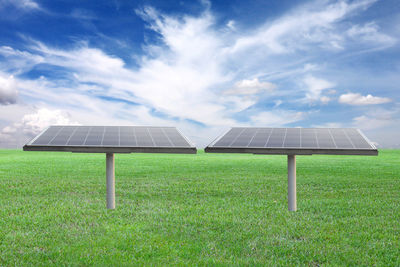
[(292, 137), (127, 136), (261, 137), (111, 136), (47, 136), (354, 137), (288, 139), (229, 137), (95, 136), (143, 137), (324, 138), (308, 138), (340, 138), (62, 137), (244, 138), (159, 137), (276, 138), (78, 136), (175, 137)]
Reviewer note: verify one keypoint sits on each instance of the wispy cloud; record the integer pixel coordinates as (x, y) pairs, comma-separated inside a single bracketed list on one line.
[(369, 32), (311, 24), (24, 5)]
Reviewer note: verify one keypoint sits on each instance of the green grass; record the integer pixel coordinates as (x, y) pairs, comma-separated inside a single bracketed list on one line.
[(204, 209)]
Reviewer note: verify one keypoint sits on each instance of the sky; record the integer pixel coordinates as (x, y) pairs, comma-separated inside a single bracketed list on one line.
[(202, 66)]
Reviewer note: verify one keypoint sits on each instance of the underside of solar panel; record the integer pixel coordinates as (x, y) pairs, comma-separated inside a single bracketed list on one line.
[(296, 141), (111, 139)]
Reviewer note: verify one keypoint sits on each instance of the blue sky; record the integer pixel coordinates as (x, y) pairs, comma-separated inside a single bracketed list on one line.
[(202, 66)]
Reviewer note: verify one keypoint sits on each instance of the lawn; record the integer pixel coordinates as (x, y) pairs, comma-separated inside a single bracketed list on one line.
[(204, 209)]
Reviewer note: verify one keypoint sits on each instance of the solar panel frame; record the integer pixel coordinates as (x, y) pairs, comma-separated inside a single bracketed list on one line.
[(213, 147), (179, 147)]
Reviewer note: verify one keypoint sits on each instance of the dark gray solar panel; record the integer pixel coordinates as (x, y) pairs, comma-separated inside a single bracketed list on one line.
[(293, 141), (104, 139)]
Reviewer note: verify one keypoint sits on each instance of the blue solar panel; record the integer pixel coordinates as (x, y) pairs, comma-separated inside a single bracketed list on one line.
[(285, 140), (109, 137)]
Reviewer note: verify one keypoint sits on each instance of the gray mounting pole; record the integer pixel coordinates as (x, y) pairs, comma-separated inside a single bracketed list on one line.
[(110, 170), (292, 203)]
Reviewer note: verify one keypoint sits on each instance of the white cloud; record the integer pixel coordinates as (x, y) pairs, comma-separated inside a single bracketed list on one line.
[(245, 93), (324, 99), (276, 118), (31, 124), (250, 87), (34, 123), (358, 99), (369, 32), (315, 87), (21, 4), (8, 89), (231, 25), (311, 24)]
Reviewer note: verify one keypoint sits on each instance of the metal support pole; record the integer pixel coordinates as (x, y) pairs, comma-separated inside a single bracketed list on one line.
[(110, 170), (292, 204)]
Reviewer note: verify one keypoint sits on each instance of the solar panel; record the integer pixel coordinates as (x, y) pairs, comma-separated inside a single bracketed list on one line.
[(300, 141), (111, 139)]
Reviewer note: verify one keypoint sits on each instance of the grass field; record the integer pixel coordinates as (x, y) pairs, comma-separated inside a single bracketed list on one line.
[(204, 209)]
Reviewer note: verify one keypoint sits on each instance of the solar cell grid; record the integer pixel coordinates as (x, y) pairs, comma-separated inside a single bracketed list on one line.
[(48, 135), (284, 140), (127, 137), (231, 135), (62, 136), (324, 138), (111, 136), (175, 137), (292, 138), (308, 138), (260, 138), (95, 136), (357, 142), (78, 137), (160, 139), (244, 138), (276, 138)]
